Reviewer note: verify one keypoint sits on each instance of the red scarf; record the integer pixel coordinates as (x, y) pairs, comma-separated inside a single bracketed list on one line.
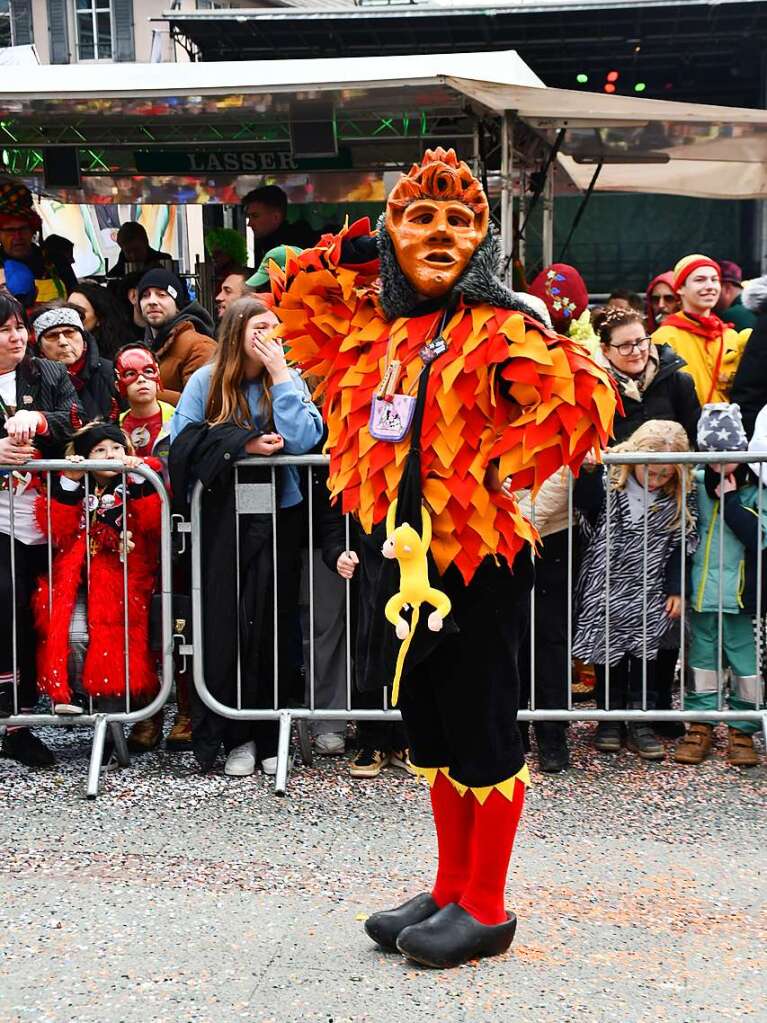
[(76, 369), (709, 327)]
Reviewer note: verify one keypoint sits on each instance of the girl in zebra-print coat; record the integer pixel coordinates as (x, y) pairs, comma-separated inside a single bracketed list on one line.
[(641, 584)]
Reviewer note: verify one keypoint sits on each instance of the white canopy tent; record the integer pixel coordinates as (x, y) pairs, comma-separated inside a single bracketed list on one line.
[(647, 145), (639, 145)]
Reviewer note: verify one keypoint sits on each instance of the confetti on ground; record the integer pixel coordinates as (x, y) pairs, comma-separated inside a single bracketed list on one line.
[(176, 897)]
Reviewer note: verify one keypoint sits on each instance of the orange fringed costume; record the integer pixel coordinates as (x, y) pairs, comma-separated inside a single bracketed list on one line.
[(507, 389), (506, 398)]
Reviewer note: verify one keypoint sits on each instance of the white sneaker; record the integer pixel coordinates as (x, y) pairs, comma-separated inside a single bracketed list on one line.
[(241, 761), (67, 708), (330, 744), (269, 765)]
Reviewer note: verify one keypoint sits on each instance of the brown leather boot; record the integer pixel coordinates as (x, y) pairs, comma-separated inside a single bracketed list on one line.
[(740, 749), (146, 735), (180, 736), (696, 745)]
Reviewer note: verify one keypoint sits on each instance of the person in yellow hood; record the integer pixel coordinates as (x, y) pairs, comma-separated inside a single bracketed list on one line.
[(709, 346)]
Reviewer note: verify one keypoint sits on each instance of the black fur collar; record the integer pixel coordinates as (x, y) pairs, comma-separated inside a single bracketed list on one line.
[(478, 282)]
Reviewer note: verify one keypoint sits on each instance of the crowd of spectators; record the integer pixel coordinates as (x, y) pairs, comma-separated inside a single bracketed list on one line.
[(130, 369)]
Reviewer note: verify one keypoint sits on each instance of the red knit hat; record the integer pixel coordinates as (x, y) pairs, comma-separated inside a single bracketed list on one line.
[(565, 293), (686, 266)]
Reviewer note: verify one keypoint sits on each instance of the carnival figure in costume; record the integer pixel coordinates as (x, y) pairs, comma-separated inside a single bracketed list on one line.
[(443, 389)]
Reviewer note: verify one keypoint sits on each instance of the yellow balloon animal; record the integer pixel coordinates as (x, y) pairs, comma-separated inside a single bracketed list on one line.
[(410, 550)]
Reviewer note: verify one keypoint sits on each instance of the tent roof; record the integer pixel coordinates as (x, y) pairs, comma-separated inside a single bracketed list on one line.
[(256, 78), (645, 145)]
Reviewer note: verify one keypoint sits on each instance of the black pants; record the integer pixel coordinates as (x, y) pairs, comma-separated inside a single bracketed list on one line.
[(665, 675), (549, 640), (290, 689), (381, 735), (626, 684), (31, 562), (459, 706)]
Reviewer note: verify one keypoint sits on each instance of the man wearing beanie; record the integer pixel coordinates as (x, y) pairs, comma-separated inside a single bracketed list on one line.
[(711, 349), (731, 307), (179, 332), (733, 532)]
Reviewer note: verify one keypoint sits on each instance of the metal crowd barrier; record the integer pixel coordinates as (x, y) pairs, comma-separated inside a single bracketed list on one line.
[(262, 498), (110, 720), (691, 460)]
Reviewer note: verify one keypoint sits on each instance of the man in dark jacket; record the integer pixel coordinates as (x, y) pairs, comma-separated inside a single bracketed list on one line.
[(136, 252), (179, 332), (749, 388), (266, 209), (731, 307)]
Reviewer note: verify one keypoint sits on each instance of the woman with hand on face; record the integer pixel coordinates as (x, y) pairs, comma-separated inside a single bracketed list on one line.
[(61, 337), (246, 402), (36, 399)]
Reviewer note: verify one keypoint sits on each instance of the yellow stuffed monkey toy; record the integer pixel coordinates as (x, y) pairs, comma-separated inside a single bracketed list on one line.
[(410, 550)]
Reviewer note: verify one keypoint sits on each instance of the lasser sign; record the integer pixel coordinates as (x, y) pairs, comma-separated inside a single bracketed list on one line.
[(235, 161)]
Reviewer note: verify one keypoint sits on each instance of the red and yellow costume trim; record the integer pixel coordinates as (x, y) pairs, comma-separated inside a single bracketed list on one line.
[(505, 788)]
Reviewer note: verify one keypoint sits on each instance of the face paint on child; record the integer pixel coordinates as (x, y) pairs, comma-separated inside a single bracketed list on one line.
[(138, 374)]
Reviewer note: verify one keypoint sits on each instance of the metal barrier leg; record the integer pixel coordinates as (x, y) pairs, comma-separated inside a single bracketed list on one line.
[(283, 752), (764, 729), (121, 746), (97, 752), (305, 743)]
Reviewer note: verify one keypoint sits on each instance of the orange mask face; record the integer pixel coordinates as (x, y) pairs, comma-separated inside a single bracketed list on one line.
[(436, 216), (434, 242)]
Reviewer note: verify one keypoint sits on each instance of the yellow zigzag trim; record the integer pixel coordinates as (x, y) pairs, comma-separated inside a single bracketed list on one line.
[(506, 788)]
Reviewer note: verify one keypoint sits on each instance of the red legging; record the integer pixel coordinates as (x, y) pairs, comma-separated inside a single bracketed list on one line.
[(475, 842)]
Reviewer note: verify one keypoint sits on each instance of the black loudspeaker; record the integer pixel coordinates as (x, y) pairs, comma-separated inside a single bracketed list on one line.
[(61, 167), (313, 130)]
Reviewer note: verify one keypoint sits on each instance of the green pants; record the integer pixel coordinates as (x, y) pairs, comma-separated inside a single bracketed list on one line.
[(738, 654)]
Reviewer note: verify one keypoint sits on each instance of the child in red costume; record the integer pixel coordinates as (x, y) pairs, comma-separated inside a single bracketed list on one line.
[(444, 389), (82, 621)]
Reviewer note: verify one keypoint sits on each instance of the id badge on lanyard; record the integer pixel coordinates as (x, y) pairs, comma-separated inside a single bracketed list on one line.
[(391, 414)]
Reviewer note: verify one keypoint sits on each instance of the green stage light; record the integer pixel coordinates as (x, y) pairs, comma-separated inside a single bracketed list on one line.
[(640, 87), (581, 79)]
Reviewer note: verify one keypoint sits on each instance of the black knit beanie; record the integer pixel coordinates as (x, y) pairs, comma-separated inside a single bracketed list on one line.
[(85, 441), (166, 281)]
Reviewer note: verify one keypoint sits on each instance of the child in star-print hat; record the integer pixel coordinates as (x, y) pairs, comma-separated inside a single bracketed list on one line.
[(727, 595), (720, 428)]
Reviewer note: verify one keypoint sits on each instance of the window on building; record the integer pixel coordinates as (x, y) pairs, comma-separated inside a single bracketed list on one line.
[(6, 24), (94, 29)]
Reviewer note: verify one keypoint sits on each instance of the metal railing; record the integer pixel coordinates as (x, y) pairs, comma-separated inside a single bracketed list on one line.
[(262, 498), (115, 717)]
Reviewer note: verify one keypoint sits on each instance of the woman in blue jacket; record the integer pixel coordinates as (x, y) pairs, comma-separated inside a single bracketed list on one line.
[(249, 400)]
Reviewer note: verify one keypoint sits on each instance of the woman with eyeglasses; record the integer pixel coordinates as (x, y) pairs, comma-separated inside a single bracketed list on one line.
[(651, 378), (654, 385)]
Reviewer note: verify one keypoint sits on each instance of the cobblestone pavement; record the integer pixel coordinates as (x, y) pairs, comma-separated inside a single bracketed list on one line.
[(640, 891)]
